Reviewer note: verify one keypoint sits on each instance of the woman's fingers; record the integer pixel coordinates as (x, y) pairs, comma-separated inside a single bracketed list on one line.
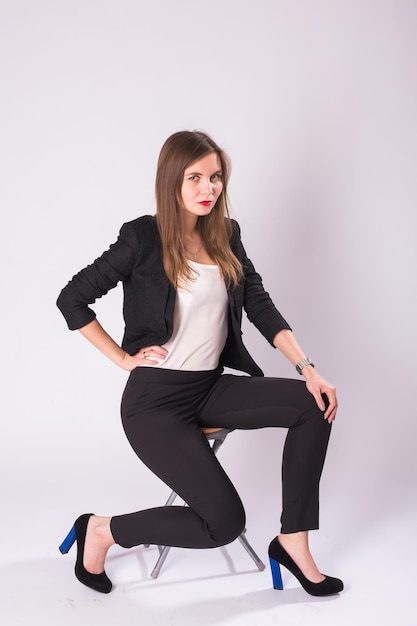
[(319, 387), (152, 354)]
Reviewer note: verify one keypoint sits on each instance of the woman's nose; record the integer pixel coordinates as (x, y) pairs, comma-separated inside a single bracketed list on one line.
[(207, 186)]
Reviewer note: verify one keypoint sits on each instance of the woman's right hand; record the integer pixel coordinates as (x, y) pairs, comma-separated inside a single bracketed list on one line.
[(151, 355), (95, 333)]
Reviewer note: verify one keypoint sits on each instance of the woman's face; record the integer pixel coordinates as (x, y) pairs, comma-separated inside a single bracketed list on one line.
[(202, 185)]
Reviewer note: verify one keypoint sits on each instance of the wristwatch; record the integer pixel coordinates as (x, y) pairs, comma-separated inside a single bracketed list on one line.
[(303, 363)]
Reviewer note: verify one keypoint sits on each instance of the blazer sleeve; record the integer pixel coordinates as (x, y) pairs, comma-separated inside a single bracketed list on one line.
[(257, 302), (97, 279)]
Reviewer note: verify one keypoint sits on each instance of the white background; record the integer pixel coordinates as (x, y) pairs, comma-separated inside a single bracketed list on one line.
[(315, 102)]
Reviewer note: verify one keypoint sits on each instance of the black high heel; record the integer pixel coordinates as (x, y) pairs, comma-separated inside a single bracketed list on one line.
[(98, 582), (278, 555)]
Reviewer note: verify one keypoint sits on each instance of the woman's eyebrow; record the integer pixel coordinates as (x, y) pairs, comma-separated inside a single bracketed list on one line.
[(188, 173)]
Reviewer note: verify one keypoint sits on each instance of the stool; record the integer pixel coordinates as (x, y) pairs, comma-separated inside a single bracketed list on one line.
[(217, 436)]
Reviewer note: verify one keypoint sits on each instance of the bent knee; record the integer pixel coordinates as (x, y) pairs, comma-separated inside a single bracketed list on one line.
[(228, 528)]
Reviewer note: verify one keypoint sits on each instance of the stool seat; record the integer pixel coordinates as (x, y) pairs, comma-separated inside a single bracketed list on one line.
[(218, 437)]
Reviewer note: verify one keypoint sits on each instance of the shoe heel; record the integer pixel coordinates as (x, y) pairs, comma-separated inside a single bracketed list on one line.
[(276, 574), (68, 542)]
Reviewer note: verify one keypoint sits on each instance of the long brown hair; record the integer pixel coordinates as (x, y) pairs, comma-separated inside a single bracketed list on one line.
[(180, 151)]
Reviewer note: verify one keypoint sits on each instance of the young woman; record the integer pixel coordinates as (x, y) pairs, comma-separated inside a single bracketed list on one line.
[(186, 279)]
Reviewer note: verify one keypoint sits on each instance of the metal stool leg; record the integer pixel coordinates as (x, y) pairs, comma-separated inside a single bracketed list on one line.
[(245, 543), (162, 556)]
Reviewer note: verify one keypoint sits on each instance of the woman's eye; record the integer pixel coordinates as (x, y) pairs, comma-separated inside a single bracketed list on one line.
[(193, 177), (216, 177)]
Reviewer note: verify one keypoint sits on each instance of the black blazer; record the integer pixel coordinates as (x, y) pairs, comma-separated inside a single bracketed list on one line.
[(149, 298)]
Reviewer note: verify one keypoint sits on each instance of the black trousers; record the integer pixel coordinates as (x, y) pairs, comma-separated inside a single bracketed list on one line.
[(163, 412)]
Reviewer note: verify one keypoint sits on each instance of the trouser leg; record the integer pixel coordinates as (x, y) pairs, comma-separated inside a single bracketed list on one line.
[(247, 403), (171, 444)]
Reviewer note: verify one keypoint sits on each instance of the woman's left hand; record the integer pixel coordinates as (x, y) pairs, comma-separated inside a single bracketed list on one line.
[(285, 341), (318, 386)]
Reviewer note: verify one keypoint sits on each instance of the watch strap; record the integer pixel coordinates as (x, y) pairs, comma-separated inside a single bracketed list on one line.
[(303, 363)]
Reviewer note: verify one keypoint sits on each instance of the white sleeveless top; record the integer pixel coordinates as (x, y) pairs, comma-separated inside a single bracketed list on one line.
[(200, 322)]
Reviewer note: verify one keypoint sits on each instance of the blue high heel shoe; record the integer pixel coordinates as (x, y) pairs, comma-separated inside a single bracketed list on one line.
[(98, 582), (278, 555)]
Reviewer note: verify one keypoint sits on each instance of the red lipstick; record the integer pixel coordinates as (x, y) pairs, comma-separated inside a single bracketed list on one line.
[(205, 203)]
